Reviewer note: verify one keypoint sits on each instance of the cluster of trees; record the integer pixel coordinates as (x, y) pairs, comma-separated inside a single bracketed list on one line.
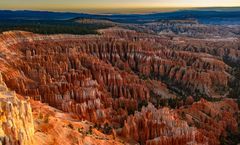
[(230, 138), (234, 84), (105, 128), (50, 26)]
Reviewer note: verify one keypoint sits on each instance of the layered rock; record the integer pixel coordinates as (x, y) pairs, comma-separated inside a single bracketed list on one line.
[(104, 79), (149, 56), (195, 72), (16, 124), (85, 74)]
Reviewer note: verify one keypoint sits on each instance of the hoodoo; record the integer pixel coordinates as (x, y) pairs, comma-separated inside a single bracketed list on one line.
[(120, 87)]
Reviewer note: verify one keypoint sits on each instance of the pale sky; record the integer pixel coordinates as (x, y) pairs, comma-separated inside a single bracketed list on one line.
[(84, 5)]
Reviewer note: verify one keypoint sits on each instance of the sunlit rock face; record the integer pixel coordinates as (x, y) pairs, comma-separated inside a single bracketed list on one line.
[(108, 78), (209, 122), (16, 124)]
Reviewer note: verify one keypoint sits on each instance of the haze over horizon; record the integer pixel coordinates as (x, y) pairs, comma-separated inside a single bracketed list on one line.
[(112, 6)]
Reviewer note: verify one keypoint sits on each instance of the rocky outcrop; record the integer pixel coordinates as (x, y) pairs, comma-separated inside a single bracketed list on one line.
[(154, 126), (16, 121), (213, 119)]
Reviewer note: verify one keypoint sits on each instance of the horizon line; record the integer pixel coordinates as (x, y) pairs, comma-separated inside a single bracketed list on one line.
[(118, 10)]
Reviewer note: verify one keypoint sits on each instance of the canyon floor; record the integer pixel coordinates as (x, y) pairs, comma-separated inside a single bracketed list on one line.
[(121, 86)]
